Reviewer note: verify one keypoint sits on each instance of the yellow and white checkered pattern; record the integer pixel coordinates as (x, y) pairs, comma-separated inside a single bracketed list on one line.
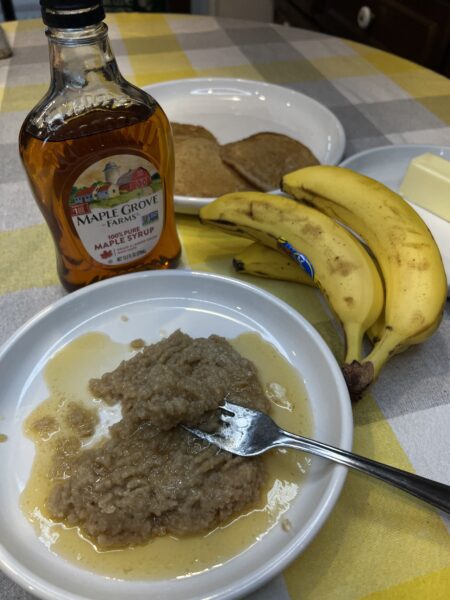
[(378, 544)]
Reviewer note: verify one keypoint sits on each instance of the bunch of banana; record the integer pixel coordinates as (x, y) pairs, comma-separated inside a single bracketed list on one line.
[(328, 254), (410, 262)]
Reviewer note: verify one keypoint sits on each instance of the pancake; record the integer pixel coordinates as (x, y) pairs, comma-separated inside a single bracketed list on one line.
[(184, 130), (200, 172), (265, 157)]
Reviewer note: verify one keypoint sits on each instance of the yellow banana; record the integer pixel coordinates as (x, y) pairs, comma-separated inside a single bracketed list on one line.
[(333, 259), (414, 277), (262, 261)]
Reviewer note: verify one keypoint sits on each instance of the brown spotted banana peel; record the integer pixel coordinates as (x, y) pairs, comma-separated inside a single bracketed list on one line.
[(410, 261), (339, 265)]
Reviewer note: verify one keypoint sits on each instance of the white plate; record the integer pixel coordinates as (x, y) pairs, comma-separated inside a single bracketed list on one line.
[(156, 303), (233, 109), (388, 164)]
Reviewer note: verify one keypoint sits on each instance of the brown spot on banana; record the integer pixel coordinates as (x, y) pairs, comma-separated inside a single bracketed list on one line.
[(416, 245), (420, 265), (343, 267), (394, 210), (349, 300), (418, 319), (238, 265), (312, 230)]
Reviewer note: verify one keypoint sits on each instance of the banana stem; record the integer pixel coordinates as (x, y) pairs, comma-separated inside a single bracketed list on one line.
[(353, 342), (359, 375)]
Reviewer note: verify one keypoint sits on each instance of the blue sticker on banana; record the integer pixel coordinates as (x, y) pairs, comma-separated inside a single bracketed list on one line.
[(299, 258)]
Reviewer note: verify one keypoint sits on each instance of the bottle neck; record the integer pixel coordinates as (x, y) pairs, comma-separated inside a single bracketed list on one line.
[(80, 58)]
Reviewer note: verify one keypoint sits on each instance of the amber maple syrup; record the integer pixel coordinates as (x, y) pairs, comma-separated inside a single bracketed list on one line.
[(54, 163)]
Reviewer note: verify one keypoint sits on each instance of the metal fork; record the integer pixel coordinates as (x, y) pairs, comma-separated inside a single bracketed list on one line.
[(248, 432)]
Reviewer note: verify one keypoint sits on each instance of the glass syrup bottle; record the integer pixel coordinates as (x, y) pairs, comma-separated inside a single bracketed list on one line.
[(98, 154)]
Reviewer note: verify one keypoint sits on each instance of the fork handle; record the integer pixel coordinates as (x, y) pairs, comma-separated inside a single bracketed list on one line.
[(433, 492)]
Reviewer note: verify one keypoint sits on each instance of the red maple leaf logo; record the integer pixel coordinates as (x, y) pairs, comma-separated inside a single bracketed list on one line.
[(106, 254)]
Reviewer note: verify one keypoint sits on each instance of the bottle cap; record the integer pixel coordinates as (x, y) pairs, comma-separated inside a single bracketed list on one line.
[(72, 14)]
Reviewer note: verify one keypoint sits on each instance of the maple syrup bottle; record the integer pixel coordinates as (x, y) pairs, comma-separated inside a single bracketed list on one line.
[(98, 154)]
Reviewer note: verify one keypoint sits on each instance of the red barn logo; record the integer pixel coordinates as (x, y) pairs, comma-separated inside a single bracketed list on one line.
[(134, 179)]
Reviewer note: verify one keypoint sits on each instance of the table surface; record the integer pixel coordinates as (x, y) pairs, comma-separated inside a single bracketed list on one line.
[(378, 543)]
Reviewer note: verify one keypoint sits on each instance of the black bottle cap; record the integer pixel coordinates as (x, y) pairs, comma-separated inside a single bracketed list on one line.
[(72, 14)]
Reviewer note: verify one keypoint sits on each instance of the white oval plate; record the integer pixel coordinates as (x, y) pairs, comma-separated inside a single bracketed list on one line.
[(233, 109), (388, 164), (156, 304)]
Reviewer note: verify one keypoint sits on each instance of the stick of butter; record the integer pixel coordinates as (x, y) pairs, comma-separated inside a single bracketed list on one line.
[(427, 184)]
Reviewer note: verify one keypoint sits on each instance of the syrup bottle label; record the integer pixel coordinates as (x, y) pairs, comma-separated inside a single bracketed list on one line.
[(117, 208)]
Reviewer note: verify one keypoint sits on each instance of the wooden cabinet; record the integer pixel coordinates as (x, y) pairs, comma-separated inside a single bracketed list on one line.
[(414, 29)]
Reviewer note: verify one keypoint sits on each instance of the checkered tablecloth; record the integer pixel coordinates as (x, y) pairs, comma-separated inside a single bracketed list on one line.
[(378, 543)]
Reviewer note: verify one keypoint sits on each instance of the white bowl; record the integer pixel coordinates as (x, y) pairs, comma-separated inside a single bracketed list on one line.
[(156, 302), (233, 109)]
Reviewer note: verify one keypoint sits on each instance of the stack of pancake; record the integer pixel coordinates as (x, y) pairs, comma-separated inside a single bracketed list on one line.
[(206, 169)]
